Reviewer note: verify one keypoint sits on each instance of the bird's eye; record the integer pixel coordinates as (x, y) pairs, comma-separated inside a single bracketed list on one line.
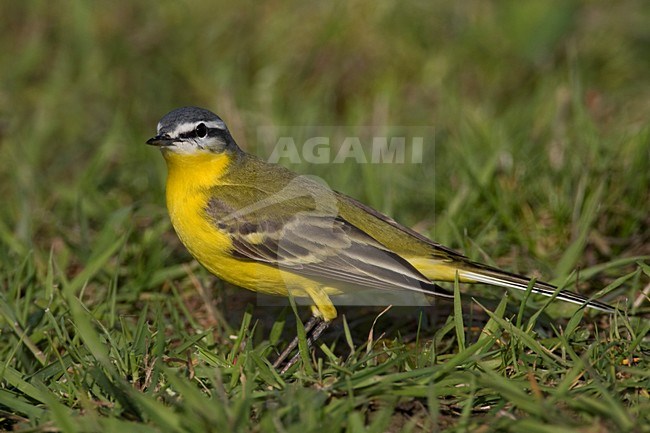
[(201, 130)]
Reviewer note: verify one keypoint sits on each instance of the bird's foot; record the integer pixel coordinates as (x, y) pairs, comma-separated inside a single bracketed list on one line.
[(313, 329)]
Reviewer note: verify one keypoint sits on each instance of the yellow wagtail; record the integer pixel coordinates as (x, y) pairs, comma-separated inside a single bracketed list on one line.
[(267, 229)]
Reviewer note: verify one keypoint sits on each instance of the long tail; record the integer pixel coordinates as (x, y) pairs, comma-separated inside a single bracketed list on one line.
[(473, 272), (479, 273)]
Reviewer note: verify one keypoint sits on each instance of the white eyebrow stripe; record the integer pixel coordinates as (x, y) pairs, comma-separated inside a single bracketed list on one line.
[(218, 124)]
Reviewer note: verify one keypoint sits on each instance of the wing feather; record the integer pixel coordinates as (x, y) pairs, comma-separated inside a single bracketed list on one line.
[(313, 241)]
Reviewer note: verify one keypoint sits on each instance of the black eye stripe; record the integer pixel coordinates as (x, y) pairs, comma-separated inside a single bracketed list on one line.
[(211, 132), (188, 134), (216, 132)]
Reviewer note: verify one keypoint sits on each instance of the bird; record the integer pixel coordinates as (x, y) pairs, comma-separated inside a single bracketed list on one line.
[(263, 227)]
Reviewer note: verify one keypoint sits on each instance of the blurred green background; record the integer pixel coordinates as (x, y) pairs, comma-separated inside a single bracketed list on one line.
[(540, 114), (536, 105)]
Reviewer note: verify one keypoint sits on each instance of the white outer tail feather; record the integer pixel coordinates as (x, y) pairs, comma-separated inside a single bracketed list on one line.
[(538, 288)]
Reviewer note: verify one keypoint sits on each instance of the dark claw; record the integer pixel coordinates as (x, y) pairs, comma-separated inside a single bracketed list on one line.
[(315, 324)]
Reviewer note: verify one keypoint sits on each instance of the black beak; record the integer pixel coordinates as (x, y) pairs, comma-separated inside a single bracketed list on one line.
[(160, 140)]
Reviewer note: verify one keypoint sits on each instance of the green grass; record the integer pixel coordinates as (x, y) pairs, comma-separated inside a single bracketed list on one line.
[(541, 164)]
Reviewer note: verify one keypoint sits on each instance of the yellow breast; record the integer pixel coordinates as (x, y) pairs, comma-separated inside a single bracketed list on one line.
[(189, 181)]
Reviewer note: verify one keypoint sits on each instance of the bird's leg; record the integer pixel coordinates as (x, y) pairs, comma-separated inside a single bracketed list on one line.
[(318, 330), (323, 313), (294, 343)]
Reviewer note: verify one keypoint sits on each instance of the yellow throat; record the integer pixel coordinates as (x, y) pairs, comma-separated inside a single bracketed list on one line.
[(189, 179)]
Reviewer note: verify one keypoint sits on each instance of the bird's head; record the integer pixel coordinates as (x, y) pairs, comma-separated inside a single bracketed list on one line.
[(192, 131)]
